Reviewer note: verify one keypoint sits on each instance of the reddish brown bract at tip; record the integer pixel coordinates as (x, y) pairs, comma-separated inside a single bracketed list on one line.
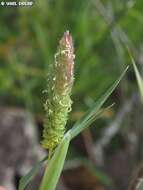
[(67, 43)]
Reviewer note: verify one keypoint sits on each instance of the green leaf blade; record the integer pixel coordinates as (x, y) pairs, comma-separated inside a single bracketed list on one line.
[(55, 165), (86, 120), (138, 76), (139, 79), (24, 181)]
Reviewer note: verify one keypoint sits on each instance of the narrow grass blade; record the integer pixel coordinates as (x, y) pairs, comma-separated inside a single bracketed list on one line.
[(55, 165), (24, 181), (138, 76), (86, 120), (75, 131)]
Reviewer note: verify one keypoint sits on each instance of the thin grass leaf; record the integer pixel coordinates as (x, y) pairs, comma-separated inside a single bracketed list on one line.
[(139, 80), (55, 165), (74, 132), (138, 76), (24, 181), (90, 116)]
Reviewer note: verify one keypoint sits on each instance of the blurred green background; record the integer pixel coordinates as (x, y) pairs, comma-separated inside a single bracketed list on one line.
[(29, 38), (101, 31)]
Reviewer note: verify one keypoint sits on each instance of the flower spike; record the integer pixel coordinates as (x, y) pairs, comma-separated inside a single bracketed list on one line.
[(58, 104)]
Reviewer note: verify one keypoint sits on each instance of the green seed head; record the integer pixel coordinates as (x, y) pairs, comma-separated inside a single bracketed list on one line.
[(58, 104)]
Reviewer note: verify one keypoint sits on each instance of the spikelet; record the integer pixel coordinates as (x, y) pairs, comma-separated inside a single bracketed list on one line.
[(58, 104)]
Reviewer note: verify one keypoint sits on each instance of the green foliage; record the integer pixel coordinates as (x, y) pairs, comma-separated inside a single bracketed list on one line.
[(55, 164), (90, 116), (28, 39), (28, 42), (28, 178), (138, 77)]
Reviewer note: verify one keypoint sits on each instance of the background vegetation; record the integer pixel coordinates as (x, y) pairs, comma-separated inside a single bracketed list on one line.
[(101, 31)]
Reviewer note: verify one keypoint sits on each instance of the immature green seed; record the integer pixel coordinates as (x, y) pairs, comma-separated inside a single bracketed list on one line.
[(58, 104)]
